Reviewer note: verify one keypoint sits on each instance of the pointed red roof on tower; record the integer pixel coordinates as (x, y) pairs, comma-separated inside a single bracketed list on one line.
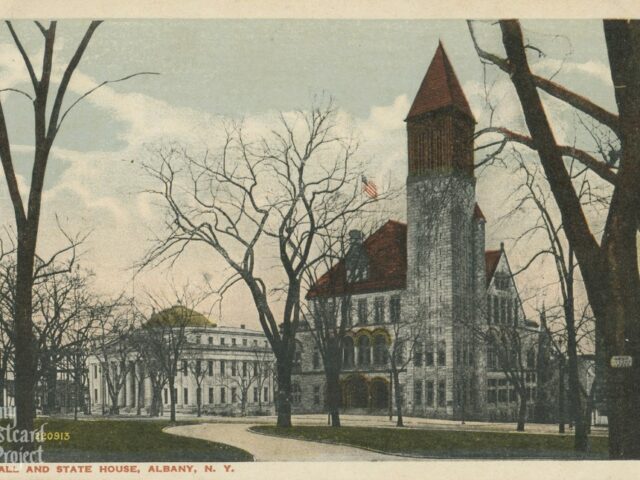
[(440, 88)]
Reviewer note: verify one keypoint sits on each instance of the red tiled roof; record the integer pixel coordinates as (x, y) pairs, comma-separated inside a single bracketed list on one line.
[(491, 259), (440, 88), (387, 253)]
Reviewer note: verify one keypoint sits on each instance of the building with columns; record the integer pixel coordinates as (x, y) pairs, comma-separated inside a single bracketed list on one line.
[(431, 276), (228, 370)]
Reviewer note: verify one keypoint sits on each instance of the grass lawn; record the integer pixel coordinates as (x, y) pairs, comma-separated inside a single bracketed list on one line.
[(444, 443), (130, 441)]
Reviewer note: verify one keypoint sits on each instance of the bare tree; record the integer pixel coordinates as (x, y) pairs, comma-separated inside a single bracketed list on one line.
[(199, 374), (328, 310), (150, 366), (407, 335), (113, 345), (555, 246), (166, 336), (79, 332), (275, 192), (263, 368), (512, 351), (61, 303), (248, 375), (609, 267), (49, 114)]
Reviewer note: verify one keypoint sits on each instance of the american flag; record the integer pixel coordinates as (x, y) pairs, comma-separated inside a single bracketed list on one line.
[(369, 187)]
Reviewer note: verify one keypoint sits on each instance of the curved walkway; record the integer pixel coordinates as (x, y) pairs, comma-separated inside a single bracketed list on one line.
[(266, 448)]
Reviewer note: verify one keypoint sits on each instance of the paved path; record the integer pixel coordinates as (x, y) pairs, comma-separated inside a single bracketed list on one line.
[(383, 421), (274, 449)]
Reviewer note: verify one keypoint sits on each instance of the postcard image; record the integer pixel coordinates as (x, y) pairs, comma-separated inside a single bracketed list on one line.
[(233, 245)]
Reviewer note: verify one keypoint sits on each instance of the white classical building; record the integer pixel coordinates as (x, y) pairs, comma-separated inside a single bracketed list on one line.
[(220, 366), (431, 274)]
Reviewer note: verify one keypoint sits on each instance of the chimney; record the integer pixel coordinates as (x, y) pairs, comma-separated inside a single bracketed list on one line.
[(355, 237), (242, 326)]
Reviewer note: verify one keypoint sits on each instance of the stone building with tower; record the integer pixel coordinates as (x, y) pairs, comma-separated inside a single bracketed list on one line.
[(431, 275)]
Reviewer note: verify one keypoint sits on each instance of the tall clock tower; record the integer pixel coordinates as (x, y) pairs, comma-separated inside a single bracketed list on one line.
[(444, 236)]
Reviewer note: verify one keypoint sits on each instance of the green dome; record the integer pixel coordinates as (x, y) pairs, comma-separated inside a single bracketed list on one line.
[(177, 316)]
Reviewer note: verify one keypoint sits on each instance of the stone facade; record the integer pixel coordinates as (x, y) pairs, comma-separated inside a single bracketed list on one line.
[(444, 286)]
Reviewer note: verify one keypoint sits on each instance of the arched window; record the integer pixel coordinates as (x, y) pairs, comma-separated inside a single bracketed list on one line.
[(380, 350), (347, 352), (364, 351)]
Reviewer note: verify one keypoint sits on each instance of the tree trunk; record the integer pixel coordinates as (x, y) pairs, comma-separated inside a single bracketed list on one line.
[(3, 383), (561, 396), (114, 409), (581, 442), (284, 394), (610, 271), (334, 395), (522, 412), (156, 399), (172, 395), (25, 359), (76, 395), (398, 397), (52, 387), (199, 401), (140, 396)]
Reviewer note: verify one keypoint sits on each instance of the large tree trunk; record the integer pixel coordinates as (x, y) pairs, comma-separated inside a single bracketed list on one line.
[(610, 271), (622, 318), (114, 408), (284, 394), (156, 401), (334, 395), (25, 359)]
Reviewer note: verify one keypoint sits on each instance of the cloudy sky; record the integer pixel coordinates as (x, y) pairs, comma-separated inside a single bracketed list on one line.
[(212, 69)]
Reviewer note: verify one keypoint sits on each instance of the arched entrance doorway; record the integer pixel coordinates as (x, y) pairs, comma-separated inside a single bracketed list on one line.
[(355, 392), (379, 391)]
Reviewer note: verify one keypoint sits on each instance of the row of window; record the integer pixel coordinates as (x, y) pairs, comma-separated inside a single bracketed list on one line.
[(500, 391), (223, 341), (222, 398), (429, 393), (428, 355), (197, 368), (364, 314), (380, 353), (502, 310), (200, 368)]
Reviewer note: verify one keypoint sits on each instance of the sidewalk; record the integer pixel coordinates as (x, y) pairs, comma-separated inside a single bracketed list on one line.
[(267, 448)]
